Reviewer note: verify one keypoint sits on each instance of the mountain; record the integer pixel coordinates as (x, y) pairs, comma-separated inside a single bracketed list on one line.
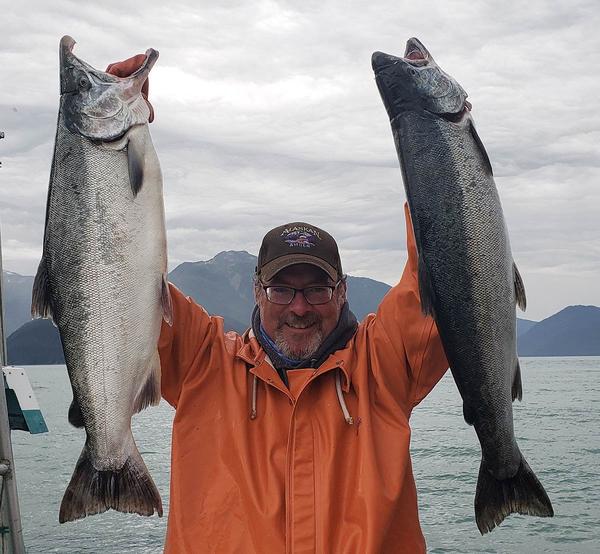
[(523, 325), (223, 285), (35, 343), (16, 294), (574, 331), (364, 295)]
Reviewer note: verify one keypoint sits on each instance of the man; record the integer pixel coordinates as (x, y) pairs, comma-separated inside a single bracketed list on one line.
[(294, 437)]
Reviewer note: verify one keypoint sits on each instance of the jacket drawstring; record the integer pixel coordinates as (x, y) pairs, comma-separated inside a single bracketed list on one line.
[(338, 389), (253, 407), (340, 395)]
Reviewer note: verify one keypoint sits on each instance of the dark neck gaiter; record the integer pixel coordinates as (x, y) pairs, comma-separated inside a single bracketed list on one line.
[(343, 332)]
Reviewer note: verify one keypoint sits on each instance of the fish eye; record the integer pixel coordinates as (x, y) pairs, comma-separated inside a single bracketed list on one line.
[(84, 82)]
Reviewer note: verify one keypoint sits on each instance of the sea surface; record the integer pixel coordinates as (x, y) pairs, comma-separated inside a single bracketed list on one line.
[(557, 426)]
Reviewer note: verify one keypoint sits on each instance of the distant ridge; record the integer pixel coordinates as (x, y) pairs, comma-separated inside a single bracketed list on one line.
[(523, 325), (16, 296), (223, 285), (574, 331), (35, 343)]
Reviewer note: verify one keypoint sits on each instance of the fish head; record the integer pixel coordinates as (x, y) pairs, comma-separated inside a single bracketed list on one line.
[(416, 83), (96, 104)]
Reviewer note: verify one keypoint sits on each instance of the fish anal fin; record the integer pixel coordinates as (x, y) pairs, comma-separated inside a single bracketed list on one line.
[(167, 303), (481, 147), (149, 394), (468, 414), (517, 386), (135, 160), (75, 415), (519, 289), (495, 499), (426, 292), (40, 296), (129, 489)]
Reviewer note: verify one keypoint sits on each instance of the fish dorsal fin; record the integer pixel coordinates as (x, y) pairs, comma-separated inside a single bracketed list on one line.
[(426, 291), (486, 159), (135, 160), (517, 386), (40, 296), (167, 304), (519, 289)]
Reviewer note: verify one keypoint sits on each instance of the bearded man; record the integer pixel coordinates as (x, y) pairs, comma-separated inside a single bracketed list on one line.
[(294, 437)]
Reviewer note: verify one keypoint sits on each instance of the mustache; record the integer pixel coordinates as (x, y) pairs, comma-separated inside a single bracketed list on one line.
[(306, 320)]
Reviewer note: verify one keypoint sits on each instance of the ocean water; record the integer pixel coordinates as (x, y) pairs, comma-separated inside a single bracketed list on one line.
[(557, 426)]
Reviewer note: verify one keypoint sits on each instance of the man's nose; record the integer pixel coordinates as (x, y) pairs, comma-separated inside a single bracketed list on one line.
[(299, 305)]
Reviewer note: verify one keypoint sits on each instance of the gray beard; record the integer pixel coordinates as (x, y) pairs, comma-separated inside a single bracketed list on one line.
[(307, 351)]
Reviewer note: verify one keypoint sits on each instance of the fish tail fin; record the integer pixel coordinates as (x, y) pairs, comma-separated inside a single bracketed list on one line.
[(129, 490), (495, 499)]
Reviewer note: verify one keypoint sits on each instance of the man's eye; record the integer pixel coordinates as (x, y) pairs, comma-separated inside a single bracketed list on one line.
[(280, 290), (317, 290)]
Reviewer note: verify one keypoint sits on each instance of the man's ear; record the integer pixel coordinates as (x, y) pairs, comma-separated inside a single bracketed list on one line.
[(257, 291), (343, 290)]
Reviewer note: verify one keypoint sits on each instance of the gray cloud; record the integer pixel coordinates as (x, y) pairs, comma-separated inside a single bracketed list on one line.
[(267, 112)]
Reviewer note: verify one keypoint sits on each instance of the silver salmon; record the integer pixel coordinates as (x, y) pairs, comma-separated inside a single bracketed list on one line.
[(467, 278), (102, 278)]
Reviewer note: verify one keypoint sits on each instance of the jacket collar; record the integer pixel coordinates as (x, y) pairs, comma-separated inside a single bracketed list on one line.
[(260, 364)]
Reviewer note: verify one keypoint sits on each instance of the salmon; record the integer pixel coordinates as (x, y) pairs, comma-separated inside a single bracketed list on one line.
[(102, 278), (468, 280)]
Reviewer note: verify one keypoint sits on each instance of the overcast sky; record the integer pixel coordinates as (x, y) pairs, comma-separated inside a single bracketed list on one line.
[(267, 112)]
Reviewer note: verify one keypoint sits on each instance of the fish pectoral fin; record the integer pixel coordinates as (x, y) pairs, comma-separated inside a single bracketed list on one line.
[(167, 303), (40, 296), (495, 499), (517, 386), (75, 415), (149, 394), (484, 154), (519, 289), (426, 291), (135, 160), (129, 489)]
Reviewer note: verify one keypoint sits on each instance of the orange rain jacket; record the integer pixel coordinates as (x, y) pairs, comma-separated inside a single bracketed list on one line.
[(321, 467)]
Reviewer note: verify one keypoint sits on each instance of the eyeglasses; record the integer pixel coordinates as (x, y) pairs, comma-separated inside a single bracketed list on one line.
[(316, 295)]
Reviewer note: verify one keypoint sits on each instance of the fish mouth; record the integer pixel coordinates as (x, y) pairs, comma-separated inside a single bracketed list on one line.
[(67, 44), (415, 53), (147, 64), (69, 60)]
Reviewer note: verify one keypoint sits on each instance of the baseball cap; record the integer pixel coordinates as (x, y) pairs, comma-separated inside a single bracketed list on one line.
[(298, 243)]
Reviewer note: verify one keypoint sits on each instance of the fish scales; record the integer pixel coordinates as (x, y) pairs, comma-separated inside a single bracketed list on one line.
[(110, 239), (467, 277), (461, 246)]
